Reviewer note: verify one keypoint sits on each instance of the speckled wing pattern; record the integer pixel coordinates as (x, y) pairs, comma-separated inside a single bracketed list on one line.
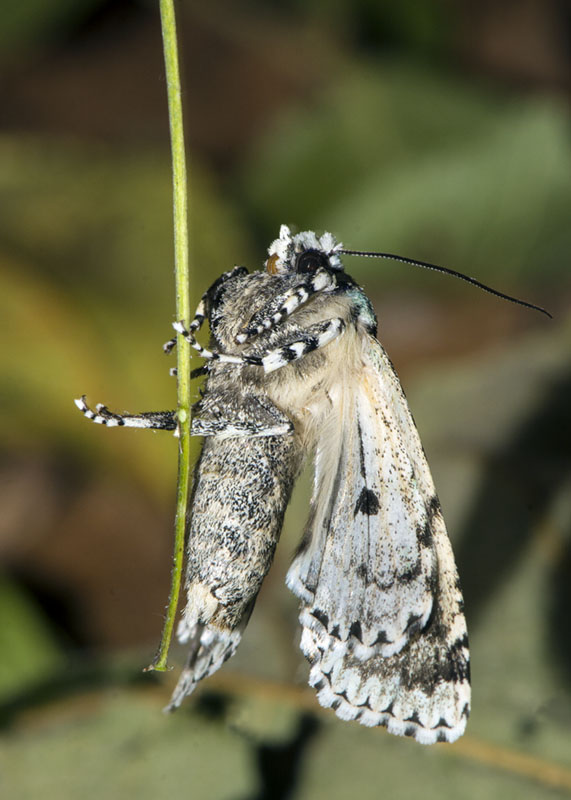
[(383, 625)]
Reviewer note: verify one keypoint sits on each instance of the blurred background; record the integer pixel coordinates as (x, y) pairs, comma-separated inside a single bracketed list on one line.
[(432, 129)]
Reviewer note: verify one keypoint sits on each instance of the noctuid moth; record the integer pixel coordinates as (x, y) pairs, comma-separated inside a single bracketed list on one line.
[(295, 369)]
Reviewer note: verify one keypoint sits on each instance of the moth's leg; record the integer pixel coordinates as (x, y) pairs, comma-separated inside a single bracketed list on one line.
[(203, 351), (195, 325), (320, 281), (316, 336), (221, 413), (157, 420), (197, 372), (203, 307)]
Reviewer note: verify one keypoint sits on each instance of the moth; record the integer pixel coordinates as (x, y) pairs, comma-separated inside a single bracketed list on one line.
[(294, 369)]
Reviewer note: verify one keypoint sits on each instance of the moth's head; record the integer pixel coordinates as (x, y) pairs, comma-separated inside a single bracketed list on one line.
[(302, 252)]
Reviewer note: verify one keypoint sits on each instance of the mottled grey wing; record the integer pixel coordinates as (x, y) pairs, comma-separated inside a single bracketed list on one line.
[(381, 607)]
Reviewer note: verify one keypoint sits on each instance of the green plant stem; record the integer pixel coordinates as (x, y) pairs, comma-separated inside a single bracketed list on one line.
[(168, 25)]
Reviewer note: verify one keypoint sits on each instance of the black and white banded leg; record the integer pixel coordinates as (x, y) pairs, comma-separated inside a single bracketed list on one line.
[(203, 307), (157, 420), (203, 351), (321, 281), (316, 336), (195, 325)]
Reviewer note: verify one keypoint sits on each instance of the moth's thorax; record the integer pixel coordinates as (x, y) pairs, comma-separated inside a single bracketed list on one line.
[(239, 300), (306, 389)]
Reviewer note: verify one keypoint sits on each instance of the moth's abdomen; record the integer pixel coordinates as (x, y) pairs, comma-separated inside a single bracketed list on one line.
[(242, 489)]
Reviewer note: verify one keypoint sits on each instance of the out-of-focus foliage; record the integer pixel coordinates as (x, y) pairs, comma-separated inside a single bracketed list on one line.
[(29, 652), (33, 23), (403, 160), (85, 256), (371, 128)]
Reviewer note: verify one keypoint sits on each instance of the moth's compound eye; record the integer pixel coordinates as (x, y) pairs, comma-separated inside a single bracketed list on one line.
[(311, 260)]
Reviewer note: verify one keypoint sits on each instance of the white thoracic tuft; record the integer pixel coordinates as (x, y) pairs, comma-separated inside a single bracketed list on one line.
[(288, 245)]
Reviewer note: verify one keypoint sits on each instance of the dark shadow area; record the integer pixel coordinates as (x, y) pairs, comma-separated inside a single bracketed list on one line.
[(520, 482), (59, 607), (279, 765), (559, 642), (211, 705)]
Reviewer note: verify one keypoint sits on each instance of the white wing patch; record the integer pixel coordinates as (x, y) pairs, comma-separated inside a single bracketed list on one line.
[(382, 612)]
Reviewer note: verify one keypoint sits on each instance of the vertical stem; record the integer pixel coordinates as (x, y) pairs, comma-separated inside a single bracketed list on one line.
[(170, 50)]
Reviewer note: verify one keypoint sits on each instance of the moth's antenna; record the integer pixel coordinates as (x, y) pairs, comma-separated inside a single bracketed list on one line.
[(446, 271)]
